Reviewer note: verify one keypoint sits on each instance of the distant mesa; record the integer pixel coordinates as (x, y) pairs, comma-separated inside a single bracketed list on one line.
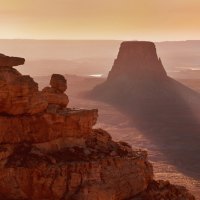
[(7, 61), (137, 61), (165, 110), (136, 75), (138, 79)]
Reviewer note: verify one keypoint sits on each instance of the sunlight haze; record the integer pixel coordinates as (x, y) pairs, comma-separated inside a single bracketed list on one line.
[(91, 19)]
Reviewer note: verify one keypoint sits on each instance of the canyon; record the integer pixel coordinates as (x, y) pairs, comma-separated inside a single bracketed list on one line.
[(163, 110), (51, 151)]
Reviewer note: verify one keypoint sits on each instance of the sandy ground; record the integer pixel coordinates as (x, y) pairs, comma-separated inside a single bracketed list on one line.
[(121, 128)]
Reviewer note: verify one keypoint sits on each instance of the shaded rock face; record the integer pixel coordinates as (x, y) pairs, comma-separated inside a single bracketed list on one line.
[(136, 75), (58, 82), (54, 153), (139, 85), (6, 61), (137, 61), (164, 190)]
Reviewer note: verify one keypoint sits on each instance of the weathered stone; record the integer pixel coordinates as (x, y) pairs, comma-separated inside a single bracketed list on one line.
[(158, 190), (58, 82), (20, 96), (55, 98), (55, 95), (8, 74), (47, 126), (7, 61), (30, 173)]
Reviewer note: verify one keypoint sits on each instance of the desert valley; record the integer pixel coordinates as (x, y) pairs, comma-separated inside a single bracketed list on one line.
[(100, 100), (138, 104), (174, 156)]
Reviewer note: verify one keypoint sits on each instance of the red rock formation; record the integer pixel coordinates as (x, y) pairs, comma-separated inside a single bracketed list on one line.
[(58, 82), (138, 85), (137, 61), (136, 75), (54, 153), (73, 173), (6, 61), (158, 190), (19, 94), (55, 94), (47, 126)]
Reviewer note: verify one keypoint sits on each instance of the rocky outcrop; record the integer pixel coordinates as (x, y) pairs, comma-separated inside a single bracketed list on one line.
[(55, 94), (54, 153), (19, 94), (47, 126), (78, 172), (164, 190), (6, 61)]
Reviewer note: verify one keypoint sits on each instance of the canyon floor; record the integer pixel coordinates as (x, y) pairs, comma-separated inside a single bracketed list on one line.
[(121, 127)]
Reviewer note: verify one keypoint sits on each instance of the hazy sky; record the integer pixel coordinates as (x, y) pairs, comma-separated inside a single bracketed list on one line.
[(100, 19)]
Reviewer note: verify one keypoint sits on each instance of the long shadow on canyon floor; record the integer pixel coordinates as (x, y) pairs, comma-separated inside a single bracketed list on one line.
[(170, 120)]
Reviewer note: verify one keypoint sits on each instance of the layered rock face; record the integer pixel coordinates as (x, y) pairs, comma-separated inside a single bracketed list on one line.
[(53, 152), (19, 94)]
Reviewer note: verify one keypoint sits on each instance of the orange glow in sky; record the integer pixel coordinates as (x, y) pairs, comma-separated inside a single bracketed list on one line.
[(100, 19)]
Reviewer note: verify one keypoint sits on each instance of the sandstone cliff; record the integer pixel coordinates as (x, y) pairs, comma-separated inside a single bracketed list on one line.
[(51, 152)]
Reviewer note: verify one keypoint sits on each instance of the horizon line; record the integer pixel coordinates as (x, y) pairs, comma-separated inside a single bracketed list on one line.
[(53, 39)]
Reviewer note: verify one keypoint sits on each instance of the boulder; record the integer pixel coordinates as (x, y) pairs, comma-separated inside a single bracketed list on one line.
[(55, 95), (58, 82), (55, 98)]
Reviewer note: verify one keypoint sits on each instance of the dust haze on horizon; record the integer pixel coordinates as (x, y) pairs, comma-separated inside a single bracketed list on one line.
[(153, 20)]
